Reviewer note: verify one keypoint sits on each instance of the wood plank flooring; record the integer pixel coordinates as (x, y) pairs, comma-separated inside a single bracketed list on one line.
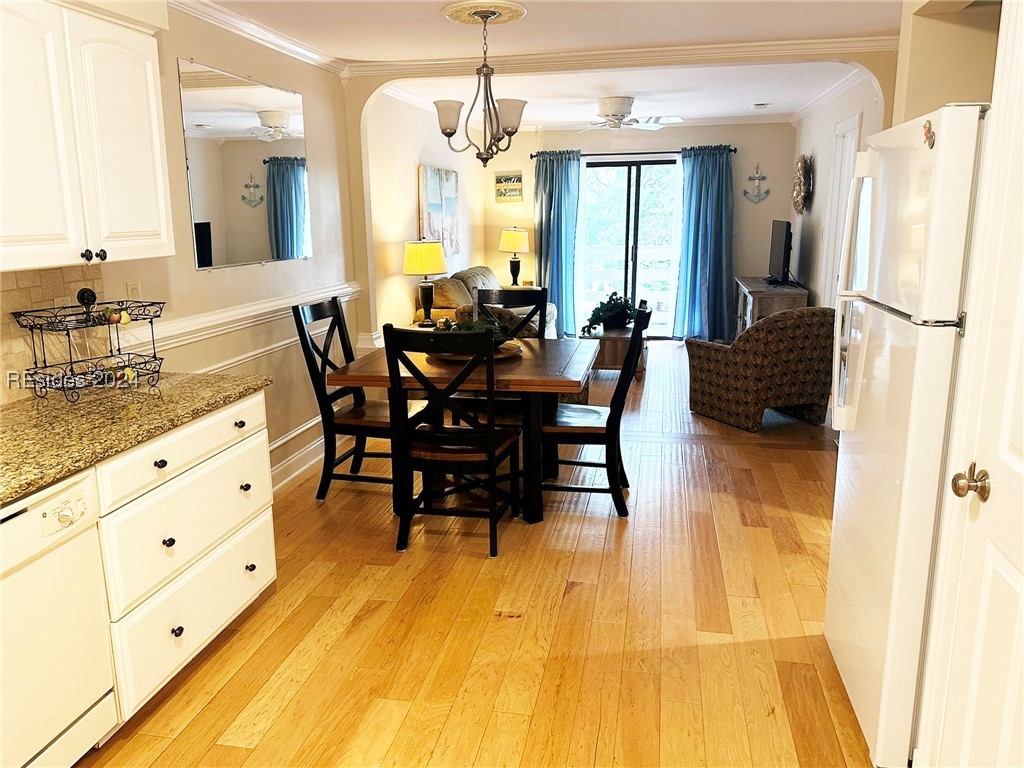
[(688, 634)]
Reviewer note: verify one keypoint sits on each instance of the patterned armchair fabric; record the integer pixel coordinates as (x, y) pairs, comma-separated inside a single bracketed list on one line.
[(783, 361)]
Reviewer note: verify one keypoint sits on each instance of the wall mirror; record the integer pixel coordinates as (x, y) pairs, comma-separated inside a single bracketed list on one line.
[(246, 160)]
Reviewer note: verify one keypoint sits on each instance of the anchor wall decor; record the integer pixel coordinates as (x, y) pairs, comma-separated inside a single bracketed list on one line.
[(756, 196), (250, 198)]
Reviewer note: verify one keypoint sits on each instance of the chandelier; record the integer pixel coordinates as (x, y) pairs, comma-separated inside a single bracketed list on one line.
[(501, 117)]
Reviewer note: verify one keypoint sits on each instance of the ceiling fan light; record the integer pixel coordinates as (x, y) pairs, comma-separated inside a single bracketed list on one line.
[(274, 118), (510, 112), (448, 112)]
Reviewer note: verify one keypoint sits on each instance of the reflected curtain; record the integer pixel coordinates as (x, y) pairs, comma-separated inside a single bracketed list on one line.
[(286, 206), (704, 301), (556, 202)]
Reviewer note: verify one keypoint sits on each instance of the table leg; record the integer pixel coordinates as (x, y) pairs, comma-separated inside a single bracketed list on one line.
[(549, 459), (532, 466)]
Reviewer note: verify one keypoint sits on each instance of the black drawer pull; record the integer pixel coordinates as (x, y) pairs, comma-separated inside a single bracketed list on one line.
[(250, 567), (101, 254), (240, 424), (168, 542), (178, 631), (245, 487), (160, 463), (87, 254)]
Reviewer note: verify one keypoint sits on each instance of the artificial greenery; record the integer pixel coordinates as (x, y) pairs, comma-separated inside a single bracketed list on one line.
[(499, 333), (612, 306)]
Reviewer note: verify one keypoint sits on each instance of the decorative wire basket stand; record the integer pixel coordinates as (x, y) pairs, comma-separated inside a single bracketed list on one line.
[(117, 368)]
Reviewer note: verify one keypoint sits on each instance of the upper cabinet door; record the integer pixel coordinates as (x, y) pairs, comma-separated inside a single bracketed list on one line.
[(115, 89), (41, 217)]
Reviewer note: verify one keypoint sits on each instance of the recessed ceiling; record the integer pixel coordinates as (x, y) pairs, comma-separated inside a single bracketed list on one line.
[(402, 30), (696, 94)]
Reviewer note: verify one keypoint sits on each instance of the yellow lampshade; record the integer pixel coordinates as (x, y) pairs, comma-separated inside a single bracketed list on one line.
[(424, 257), (514, 240)]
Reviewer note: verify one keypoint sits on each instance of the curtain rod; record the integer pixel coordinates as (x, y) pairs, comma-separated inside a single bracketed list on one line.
[(533, 155)]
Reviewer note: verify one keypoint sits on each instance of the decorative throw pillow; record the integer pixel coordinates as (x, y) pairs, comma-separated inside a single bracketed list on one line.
[(450, 293)]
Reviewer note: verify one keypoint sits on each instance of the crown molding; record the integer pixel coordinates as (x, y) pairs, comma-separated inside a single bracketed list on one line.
[(232, 22), (847, 83), (629, 58)]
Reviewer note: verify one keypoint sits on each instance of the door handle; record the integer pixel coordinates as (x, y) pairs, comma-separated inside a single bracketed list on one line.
[(979, 482)]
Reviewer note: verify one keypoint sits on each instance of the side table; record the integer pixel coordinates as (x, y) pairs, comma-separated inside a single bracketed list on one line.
[(755, 299), (612, 350)]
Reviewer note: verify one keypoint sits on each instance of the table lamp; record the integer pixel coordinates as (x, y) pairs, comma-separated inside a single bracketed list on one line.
[(515, 241), (425, 257)]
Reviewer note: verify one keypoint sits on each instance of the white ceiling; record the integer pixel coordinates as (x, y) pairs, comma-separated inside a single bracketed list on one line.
[(354, 31)]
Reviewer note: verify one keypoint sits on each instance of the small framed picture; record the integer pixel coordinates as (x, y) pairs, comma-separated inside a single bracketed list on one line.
[(508, 186)]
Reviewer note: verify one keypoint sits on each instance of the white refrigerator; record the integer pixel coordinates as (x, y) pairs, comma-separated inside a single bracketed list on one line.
[(898, 321)]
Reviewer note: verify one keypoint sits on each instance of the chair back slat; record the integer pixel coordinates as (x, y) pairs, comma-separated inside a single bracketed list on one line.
[(629, 365), (430, 425), (535, 298), (318, 355)]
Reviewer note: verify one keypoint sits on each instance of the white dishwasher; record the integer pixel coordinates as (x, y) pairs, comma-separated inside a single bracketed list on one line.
[(56, 674)]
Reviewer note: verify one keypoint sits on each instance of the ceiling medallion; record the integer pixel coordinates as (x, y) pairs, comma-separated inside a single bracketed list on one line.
[(501, 117)]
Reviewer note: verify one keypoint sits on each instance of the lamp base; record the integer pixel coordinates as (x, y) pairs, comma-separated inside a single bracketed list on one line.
[(427, 324), (514, 265), (427, 302)]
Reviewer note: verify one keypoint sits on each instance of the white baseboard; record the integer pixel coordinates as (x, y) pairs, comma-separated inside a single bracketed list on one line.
[(284, 472)]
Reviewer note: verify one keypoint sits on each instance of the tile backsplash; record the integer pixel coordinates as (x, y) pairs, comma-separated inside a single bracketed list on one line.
[(33, 289)]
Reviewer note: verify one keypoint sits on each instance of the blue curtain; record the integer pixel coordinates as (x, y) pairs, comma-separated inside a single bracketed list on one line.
[(556, 202), (286, 206), (704, 301)]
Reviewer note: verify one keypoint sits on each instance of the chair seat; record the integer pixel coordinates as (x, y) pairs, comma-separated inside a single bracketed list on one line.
[(578, 418), (372, 413), (505, 440)]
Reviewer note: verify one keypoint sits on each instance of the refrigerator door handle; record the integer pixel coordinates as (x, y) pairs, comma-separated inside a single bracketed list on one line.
[(846, 365), (865, 167)]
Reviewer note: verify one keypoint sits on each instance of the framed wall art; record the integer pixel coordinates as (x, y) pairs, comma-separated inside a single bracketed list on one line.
[(439, 198), (508, 186)]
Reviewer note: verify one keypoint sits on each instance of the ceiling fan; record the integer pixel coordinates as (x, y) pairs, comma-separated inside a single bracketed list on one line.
[(615, 111), (274, 126)]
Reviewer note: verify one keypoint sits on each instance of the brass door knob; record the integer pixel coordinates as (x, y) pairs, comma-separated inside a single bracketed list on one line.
[(979, 482)]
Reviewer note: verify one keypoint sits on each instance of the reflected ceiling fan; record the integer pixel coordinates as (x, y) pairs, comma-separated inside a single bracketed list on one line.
[(274, 126), (614, 112)]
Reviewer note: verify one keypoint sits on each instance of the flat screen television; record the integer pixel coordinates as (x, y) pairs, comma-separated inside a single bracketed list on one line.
[(782, 246), (204, 245)]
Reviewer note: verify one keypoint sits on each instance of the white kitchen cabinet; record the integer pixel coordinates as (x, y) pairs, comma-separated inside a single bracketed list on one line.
[(187, 546), (83, 149)]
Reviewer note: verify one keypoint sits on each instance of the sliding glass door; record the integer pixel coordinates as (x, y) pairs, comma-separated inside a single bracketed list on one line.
[(628, 236)]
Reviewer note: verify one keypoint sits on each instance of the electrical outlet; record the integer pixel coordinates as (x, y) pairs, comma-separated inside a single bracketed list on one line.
[(133, 288)]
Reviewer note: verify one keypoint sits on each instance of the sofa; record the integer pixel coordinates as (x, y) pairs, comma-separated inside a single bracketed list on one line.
[(451, 293), (783, 361)]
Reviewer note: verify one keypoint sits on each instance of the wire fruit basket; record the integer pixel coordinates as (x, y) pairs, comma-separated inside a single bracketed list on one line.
[(116, 368)]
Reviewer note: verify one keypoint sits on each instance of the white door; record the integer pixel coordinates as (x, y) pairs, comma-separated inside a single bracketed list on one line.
[(845, 140), (41, 218), (973, 712), (116, 93)]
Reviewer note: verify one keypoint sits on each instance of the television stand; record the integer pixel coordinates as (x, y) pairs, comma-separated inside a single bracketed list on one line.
[(757, 298), (777, 281)]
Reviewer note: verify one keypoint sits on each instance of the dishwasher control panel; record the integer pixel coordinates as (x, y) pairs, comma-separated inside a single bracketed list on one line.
[(63, 512)]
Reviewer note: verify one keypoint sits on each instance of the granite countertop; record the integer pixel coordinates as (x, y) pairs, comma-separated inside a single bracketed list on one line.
[(43, 440)]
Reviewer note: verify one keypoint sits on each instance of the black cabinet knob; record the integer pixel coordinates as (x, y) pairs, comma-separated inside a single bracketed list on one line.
[(160, 463), (245, 487), (87, 254), (101, 254), (250, 567), (178, 631), (240, 424), (168, 542)]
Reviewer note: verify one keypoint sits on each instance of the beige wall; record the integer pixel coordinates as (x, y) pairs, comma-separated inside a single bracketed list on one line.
[(944, 57), (206, 184), (399, 138), (815, 137)]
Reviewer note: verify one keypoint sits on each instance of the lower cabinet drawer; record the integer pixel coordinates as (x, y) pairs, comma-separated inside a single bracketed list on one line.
[(146, 543), (163, 634)]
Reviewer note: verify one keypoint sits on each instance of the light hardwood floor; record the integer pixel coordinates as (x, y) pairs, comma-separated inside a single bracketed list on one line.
[(686, 634)]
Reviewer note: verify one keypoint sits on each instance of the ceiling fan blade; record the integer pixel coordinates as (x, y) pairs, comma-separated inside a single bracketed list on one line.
[(645, 126)]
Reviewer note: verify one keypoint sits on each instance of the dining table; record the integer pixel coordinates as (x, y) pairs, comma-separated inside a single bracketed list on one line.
[(545, 369)]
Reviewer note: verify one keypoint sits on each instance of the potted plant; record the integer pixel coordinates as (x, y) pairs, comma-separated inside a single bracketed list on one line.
[(614, 312)]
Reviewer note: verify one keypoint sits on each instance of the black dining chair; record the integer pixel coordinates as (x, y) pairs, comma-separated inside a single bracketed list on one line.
[(357, 418), (444, 438), (536, 299), (598, 425)]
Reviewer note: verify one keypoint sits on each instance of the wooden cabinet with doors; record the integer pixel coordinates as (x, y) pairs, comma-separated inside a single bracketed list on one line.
[(756, 299), (82, 150)]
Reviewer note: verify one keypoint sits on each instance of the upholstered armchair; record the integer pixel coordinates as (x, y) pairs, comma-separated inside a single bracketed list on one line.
[(783, 361)]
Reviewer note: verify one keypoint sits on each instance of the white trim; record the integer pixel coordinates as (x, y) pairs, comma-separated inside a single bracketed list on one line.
[(224, 365), (847, 83), (252, 30), (630, 58), (182, 331), (367, 342), (285, 471)]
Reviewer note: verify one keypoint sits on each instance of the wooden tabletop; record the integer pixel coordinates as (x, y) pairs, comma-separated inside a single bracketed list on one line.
[(546, 365)]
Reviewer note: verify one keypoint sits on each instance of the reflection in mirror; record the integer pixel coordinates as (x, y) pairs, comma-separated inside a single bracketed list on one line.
[(246, 160)]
